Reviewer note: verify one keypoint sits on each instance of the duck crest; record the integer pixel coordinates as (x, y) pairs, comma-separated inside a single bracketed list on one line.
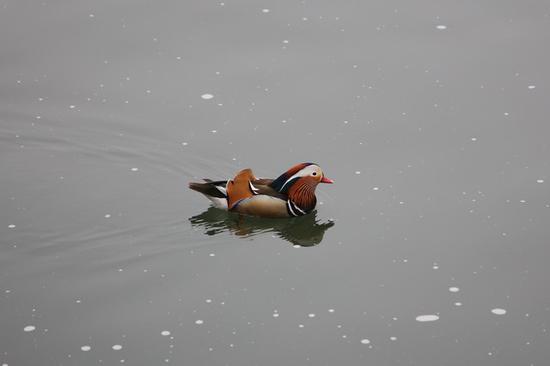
[(282, 183)]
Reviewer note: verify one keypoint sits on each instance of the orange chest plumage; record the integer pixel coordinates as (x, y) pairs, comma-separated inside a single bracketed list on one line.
[(302, 193)]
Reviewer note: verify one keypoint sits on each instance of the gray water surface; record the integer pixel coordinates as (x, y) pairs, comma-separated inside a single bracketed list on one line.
[(431, 249)]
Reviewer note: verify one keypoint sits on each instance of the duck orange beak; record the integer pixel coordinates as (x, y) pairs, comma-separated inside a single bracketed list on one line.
[(326, 180)]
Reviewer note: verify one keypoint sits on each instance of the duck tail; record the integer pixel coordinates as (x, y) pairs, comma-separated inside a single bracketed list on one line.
[(215, 191), (210, 188)]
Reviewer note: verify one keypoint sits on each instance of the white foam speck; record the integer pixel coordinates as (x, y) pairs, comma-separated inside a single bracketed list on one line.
[(199, 322), (29, 328), (212, 254), (427, 318), (365, 341), (393, 338), (357, 172), (12, 226), (72, 106), (107, 216), (134, 169), (538, 181), (454, 289), (498, 311), (185, 143), (275, 315), (117, 347), (375, 188), (331, 310), (85, 348), (207, 96), (311, 315), (165, 333), (458, 304), (208, 301), (531, 87), (474, 138), (441, 27), (214, 131), (265, 10)]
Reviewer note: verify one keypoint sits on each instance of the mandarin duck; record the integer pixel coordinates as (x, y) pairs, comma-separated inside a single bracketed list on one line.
[(291, 194)]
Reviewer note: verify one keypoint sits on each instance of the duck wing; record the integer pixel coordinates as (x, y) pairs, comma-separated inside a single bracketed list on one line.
[(263, 187)]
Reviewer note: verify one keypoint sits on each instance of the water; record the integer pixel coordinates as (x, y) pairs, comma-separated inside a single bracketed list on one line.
[(430, 116)]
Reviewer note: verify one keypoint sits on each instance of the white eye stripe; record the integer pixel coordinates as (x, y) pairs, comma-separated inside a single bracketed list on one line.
[(308, 170)]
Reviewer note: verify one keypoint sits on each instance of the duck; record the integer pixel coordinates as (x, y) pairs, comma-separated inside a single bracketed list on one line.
[(291, 194)]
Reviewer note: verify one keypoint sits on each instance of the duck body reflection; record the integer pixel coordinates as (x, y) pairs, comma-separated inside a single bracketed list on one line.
[(304, 231)]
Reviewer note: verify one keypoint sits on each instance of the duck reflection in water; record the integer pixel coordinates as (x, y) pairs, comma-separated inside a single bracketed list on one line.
[(304, 231)]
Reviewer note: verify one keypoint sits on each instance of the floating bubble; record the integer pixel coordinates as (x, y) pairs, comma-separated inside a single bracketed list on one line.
[(427, 318)]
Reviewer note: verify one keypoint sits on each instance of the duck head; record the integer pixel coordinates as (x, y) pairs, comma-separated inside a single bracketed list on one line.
[(299, 183)]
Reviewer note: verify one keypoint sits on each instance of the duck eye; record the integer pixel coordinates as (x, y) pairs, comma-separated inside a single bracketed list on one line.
[(314, 173)]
